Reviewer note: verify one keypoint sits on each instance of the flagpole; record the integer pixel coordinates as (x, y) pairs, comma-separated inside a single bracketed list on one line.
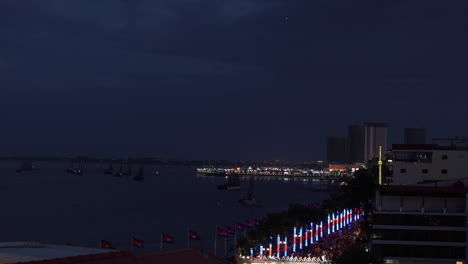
[(235, 237), (216, 235), (161, 242)]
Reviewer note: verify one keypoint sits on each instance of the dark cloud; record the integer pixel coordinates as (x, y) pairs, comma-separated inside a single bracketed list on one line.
[(225, 79)]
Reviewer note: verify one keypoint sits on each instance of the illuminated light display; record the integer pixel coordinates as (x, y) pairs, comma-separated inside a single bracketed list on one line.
[(306, 233), (294, 240), (333, 222), (286, 246), (316, 232), (341, 221), (300, 238), (311, 233), (278, 248), (344, 217), (321, 229), (337, 221)]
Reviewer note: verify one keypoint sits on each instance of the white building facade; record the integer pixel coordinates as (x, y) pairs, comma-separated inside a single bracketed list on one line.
[(413, 164)]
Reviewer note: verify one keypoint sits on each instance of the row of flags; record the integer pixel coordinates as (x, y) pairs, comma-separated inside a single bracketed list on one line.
[(239, 227), (135, 242)]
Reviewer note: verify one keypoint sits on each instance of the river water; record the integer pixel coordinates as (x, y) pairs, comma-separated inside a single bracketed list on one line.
[(53, 206)]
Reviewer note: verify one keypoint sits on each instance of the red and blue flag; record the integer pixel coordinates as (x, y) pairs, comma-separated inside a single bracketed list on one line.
[(194, 236), (240, 226), (167, 239), (230, 231), (106, 245), (138, 242), (220, 232)]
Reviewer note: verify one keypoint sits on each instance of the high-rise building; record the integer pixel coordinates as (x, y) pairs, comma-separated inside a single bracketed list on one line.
[(415, 136), (337, 149), (429, 163), (375, 135), (356, 143)]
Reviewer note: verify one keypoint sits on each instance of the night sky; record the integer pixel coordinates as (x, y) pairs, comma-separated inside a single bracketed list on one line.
[(225, 79)]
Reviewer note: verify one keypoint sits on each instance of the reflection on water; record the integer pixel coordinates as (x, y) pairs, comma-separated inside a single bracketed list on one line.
[(54, 206)]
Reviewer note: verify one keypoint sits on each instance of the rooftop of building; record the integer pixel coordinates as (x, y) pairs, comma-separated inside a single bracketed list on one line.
[(375, 124), (454, 146), (13, 252), (37, 253), (182, 256), (117, 257)]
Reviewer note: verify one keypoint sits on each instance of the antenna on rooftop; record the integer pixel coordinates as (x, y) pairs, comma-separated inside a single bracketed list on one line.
[(380, 165)]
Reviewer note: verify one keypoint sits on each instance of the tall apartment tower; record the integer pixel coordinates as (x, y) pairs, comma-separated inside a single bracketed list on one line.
[(356, 143), (375, 135), (415, 136), (337, 149)]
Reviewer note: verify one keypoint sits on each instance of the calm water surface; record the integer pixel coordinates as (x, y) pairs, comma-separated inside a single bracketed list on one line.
[(53, 206)]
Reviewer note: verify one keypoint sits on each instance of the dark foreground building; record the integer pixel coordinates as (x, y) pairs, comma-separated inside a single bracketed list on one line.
[(421, 224), (177, 256)]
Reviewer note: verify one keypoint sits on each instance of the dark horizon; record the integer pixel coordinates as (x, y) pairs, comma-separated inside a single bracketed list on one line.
[(249, 79)]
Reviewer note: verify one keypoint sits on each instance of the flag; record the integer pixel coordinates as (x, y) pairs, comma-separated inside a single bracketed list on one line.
[(106, 245), (240, 226), (194, 236), (167, 239), (137, 242), (248, 224), (256, 222), (230, 231), (221, 232)]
